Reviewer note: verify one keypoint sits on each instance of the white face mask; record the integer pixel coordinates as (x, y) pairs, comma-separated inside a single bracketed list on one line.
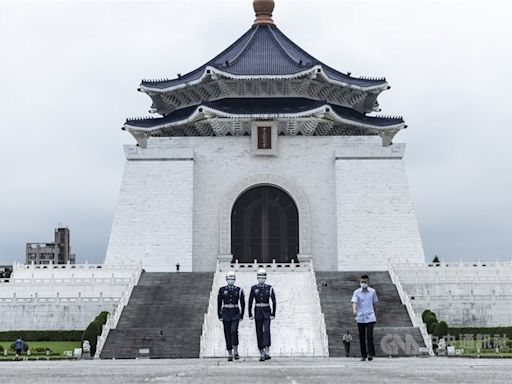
[(262, 280), (231, 282), (364, 285)]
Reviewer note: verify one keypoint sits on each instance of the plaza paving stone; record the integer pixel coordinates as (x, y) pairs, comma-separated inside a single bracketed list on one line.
[(278, 370)]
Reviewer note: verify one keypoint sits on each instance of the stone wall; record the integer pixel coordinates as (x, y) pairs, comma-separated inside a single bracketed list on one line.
[(462, 294), (172, 208), (153, 220), (375, 214), (60, 297)]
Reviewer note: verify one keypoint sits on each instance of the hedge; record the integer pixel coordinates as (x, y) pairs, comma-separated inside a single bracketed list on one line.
[(93, 330), (26, 347), (42, 335), (461, 332)]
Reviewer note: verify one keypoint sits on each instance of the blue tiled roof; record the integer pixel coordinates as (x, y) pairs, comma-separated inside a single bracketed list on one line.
[(264, 50), (266, 106)]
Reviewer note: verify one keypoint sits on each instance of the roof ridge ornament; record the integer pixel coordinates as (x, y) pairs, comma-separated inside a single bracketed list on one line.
[(263, 10)]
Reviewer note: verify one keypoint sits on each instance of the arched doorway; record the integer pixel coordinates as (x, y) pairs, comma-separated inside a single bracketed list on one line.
[(264, 226)]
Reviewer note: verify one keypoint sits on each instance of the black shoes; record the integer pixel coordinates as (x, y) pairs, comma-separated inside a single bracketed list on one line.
[(237, 356), (230, 358), (363, 358), (370, 358), (267, 357), (262, 358)]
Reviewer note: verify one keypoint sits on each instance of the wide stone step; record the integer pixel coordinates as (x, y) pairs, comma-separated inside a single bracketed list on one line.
[(393, 323), (175, 302)]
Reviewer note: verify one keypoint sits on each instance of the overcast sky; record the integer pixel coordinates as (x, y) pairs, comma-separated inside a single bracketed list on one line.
[(69, 73)]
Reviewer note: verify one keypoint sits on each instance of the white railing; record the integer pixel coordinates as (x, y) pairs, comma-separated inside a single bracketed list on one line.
[(86, 266), (209, 318), (59, 300), (68, 281), (269, 267), (113, 320), (320, 318), (416, 321)]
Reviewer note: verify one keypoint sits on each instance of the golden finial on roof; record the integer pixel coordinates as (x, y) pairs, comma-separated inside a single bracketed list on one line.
[(263, 10)]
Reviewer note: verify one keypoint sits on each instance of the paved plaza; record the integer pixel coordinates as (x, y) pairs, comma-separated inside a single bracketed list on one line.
[(278, 370)]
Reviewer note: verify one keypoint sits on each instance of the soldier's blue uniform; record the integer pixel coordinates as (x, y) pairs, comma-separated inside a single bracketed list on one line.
[(231, 309), (262, 294)]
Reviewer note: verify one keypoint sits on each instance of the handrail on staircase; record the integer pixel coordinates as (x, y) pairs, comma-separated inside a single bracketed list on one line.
[(416, 320), (113, 320)]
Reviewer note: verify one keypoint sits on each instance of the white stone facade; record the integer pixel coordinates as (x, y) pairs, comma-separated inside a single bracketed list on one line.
[(61, 297), (351, 193), (153, 221), (462, 294)]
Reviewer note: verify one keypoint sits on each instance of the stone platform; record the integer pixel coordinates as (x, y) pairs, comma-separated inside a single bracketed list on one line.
[(279, 370)]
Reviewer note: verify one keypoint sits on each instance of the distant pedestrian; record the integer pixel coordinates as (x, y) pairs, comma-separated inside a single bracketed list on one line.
[(162, 336), (347, 339), (18, 347), (177, 267), (364, 306)]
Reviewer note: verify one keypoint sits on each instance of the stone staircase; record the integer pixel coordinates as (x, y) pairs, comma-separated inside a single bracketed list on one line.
[(176, 302), (299, 327), (394, 334)]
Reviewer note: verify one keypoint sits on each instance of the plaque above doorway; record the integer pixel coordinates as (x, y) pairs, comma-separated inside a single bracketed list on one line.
[(264, 138)]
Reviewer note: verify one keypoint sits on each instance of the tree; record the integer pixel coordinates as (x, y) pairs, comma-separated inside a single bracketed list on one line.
[(424, 314), (441, 329), (432, 327), (91, 334), (430, 318)]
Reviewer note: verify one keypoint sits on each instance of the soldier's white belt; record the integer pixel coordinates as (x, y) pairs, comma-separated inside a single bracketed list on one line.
[(262, 304), (230, 306)]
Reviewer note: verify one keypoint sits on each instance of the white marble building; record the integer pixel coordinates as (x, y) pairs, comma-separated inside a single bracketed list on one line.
[(264, 153)]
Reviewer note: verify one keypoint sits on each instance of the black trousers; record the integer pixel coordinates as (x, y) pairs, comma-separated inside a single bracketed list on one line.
[(231, 333), (263, 332), (347, 348), (366, 339)]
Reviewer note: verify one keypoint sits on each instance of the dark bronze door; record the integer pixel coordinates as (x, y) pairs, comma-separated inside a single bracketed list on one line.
[(265, 226)]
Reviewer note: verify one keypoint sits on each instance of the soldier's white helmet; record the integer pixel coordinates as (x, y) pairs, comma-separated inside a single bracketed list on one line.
[(231, 278), (262, 276)]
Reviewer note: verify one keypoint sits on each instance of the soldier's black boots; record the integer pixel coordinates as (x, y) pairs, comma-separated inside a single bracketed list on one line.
[(262, 358), (237, 356), (267, 357), (230, 358)]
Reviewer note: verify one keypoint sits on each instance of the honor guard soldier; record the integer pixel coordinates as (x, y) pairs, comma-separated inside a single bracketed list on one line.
[(262, 293), (231, 308)]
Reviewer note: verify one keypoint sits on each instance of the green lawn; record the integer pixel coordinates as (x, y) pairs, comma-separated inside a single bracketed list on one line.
[(57, 347), (470, 349)]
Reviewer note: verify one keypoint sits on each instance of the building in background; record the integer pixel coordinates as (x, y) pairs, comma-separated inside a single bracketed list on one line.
[(57, 252)]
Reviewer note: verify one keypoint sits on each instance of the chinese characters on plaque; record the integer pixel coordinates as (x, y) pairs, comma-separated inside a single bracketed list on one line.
[(264, 138)]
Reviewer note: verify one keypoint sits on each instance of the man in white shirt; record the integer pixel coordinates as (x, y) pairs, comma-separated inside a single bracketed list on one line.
[(364, 306)]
